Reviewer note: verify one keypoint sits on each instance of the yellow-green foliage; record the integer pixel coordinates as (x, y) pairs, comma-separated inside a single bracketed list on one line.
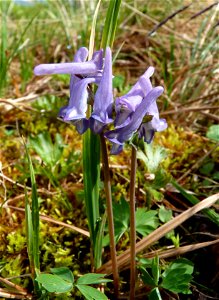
[(13, 268), (183, 147), (16, 242)]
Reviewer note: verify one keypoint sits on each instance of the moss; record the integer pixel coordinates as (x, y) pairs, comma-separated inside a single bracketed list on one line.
[(16, 243)]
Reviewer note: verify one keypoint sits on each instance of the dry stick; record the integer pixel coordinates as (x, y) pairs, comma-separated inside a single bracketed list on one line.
[(132, 223), (168, 18), (51, 220), (176, 251), (179, 251), (109, 207), (160, 232), (13, 285), (202, 11), (210, 116), (8, 294)]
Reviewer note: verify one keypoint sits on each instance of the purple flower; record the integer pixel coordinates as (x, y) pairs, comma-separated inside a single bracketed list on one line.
[(131, 109), (103, 100), (82, 73), (126, 105)]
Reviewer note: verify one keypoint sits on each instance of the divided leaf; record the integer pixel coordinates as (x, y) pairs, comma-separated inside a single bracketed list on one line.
[(177, 277), (146, 221), (54, 283), (49, 152)]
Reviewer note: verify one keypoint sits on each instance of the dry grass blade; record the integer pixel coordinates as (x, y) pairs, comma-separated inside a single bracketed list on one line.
[(51, 220), (9, 295), (181, 250), (124, 258), (12, 285)]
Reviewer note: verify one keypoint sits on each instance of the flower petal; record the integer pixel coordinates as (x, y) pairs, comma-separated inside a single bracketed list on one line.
[(103, 100), (83, 68), (77, 106), (127, 104)]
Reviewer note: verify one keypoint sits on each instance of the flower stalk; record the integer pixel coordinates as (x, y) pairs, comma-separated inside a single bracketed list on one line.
[(132, 223), (109, 208)]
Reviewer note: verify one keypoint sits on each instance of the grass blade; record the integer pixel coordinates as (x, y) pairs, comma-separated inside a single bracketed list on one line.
[(33, 224), (110, 23)]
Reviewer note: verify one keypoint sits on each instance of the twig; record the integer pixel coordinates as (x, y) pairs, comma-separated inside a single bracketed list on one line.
[(132, 223), (107, 185), (210, 116), (145, 16), (168, 18), (202, 11), (180, 250)]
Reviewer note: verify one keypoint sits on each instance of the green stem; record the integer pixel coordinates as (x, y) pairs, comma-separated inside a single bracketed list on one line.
[(107, 185), (132, 223), (91, 174)]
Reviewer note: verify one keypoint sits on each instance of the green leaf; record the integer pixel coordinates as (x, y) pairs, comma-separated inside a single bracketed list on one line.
[(90, 293), (64, 273), (54, 283), (177, 276), (110, 23), (207, 168), (155, 269), (146, 277), (100, 228), (92, 278), (91, 176), (29, 230), (151, 156), (49, 152), (155, 294), (164, 214), (121, 220), (161, 179), (146, 221), (213, 132), (215, 176)]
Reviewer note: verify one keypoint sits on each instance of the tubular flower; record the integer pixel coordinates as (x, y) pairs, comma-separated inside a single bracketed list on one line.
[(103, 100), (126, 105), (136, 112), (132, 108), (83, 73)]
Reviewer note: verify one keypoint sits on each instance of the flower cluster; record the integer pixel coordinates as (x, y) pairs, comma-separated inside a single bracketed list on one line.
[(136, 112)]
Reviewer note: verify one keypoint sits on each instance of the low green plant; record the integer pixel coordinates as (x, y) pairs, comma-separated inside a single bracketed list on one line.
[(213, 133), (55, 165), (146, 220), (175, 278), (61, 280)]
